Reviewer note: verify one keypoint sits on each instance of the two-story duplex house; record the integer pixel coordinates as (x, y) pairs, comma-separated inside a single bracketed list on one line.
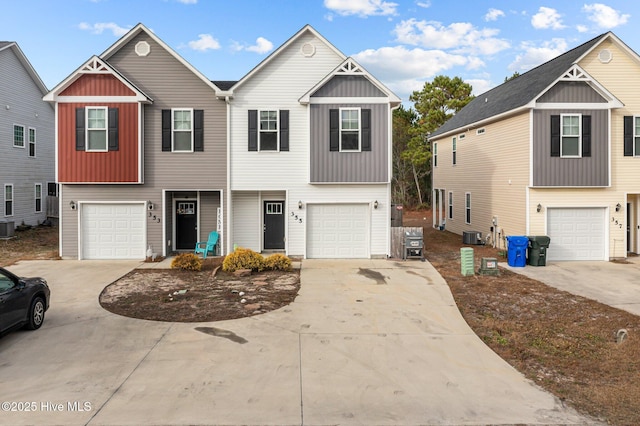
[(552, 152), (141, 152), (310, 154), (27, 181)]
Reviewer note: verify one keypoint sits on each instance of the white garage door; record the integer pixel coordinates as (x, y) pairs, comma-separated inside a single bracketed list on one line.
[(576, 234), (113, 231), (338, 231)]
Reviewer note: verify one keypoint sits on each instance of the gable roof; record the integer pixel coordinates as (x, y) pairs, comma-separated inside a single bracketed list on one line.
[(25, 63), (95, 65), (268, 59), (520, 91), (350, 67)]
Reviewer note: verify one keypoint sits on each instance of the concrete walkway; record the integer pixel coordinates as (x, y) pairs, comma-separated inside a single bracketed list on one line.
[(366, 342)]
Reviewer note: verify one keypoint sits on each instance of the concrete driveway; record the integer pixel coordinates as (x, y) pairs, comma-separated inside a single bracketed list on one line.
[(612, 283), (366, 342)]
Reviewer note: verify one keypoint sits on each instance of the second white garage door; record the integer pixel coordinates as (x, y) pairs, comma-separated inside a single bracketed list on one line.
[(338, 231), (576, 234), (113, 231)]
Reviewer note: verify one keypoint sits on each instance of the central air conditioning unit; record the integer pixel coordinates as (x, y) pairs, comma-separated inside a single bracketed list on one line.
[(471, 237), (7, 229)]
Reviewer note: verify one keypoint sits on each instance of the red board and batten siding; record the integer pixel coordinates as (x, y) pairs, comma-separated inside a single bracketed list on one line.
[(109, 167), (97, 85)]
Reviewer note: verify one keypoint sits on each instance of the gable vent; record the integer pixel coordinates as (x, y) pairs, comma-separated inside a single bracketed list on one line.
[(143, 48), (308, 50), (605, 56)]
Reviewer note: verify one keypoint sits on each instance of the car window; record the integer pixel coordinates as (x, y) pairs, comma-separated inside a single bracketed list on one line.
[(5, 282)]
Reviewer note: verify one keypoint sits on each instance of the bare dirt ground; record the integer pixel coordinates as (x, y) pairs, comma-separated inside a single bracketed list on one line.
[(564, 343)]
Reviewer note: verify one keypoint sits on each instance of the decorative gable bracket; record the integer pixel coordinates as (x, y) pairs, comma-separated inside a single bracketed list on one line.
[(349, 67), (95, 66)]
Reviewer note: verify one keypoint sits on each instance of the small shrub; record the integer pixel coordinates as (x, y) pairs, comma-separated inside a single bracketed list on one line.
[(278, 262), (187, 261), (243, 258)]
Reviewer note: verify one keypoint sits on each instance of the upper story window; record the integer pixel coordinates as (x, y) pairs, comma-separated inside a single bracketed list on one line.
[(350, 129), (183, 130), (32, 142), (96, 129), (570, 136), (18, 136), (268, 130), (454, 148), (8, 199), (636, 136), (435, 154)]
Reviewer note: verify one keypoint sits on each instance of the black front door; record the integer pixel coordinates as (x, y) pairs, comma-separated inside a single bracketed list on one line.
[(186, 225), (274, 225)]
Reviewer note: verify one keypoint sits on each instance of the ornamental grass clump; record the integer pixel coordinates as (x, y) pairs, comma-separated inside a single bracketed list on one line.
[(187, 262)]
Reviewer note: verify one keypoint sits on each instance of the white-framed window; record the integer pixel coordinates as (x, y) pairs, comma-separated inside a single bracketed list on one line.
[(454, 147), (480, 131), (636, 136), (8, 199), (182, 130), (450, 205), (32, 142), (570, 135), (18, 136), (467, 207), (268, 130), (461, 136), (435, 154), (349, 129), (38, 197), (274, 208), (96, 129)]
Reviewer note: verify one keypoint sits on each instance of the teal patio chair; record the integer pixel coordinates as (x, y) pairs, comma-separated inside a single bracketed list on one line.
[(205, 247)]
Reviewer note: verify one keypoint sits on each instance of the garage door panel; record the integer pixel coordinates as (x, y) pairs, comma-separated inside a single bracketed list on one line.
[(576, 233), (337, 231), (113, 231)]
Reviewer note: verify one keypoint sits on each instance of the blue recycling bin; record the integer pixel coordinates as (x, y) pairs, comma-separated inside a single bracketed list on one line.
[(517, 251)]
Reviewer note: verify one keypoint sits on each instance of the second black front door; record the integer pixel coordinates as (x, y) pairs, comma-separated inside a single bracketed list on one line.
[(186, 225), (273, 225)]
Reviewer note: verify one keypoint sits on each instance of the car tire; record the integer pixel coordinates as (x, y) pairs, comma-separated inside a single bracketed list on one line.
[(36, 314)]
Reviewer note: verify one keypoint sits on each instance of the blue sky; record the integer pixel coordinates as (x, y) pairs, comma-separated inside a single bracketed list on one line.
[(404, 43)]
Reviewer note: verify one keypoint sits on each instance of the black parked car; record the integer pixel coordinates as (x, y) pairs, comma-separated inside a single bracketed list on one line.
[(23, 301)]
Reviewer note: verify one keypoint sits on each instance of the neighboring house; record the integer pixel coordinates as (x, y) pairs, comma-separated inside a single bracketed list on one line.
[(310, 154), (27, 181), (141, 153), (555, 151)]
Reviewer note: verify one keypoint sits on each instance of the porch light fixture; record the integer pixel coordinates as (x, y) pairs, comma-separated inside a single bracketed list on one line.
[(618, 207), (375, 204), (299, 205), (538, 207), (72, 204)]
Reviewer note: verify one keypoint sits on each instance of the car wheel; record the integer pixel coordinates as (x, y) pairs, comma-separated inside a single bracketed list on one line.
[(36, 314)]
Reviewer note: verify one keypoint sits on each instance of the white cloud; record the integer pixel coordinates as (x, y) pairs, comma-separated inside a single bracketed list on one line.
[(362, 8), (205, 42), (582, 28), (424, 4), (537, 55), (493, 14), (547, 18), (479, 86), (262, 46), (188, 1), (462, 36), (100, 27), (604, 16)]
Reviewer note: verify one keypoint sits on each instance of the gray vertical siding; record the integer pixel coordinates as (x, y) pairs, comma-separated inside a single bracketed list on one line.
[(556, 171), (26, 108), (349, 86), (357, 167), (571, 92)]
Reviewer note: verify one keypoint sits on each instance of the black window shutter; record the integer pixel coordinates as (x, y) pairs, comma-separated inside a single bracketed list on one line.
[(365, 116), (166, 130), (80, 145), (198, 130), (113, 129), (334, 130), (284, 130), (253, 130), (628, 136), (586, 136), (555, 136)]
